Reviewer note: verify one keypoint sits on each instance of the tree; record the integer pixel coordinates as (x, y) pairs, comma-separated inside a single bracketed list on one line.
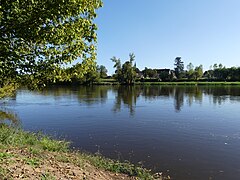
[(118, 72), (37, 37), (198, 73), (215, 66), (179, 67), (88, 78), (129, 70), (126, 73), (190, 71), (102, 70), (150, 73)]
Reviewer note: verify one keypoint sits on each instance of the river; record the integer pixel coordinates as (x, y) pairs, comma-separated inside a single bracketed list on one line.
[(187, 132)]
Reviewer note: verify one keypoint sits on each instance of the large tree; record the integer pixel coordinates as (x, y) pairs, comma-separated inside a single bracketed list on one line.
[(38, 36), (102, 70), (126, 73), (198, 73), (190, 72), (179, 67), (150, 73)]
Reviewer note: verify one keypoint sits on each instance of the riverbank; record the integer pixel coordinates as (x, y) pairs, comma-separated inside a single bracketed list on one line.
[(174, 83), (25, 155), (191, 83)]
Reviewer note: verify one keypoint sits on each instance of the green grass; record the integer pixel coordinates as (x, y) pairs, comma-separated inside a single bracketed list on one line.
[(107, 80), (192, 83), (47, 176), (34, 162), (37, 144), (119, 167), (37, 141), (4, 155), (3, 173)]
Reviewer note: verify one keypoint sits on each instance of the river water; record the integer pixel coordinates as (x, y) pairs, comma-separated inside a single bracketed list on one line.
[(188, 132)]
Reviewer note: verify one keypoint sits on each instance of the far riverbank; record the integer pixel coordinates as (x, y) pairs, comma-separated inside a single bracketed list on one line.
[(174, 83)]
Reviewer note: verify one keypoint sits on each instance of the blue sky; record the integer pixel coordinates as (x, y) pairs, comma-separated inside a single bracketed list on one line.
[(156, 31)]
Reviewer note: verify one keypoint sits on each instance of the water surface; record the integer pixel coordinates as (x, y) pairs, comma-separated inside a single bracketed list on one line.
[(186, 132)]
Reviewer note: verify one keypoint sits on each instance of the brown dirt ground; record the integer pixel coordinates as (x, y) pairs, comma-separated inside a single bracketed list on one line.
[(21, 164)]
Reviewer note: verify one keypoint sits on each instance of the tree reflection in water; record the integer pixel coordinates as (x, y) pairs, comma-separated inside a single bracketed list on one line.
[(127, 96), (9, 118), (90, 95)]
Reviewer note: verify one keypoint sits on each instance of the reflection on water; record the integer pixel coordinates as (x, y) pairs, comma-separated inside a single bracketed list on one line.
[(190, 132), (9, 118), (127, 95)]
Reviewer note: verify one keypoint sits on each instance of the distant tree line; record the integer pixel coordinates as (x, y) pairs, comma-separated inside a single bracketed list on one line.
[(129, 73), (221, 73)]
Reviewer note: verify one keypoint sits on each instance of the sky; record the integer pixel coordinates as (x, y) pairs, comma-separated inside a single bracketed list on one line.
[(157, 31)]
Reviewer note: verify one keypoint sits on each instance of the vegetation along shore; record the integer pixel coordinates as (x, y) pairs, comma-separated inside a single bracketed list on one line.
[(25, 155)]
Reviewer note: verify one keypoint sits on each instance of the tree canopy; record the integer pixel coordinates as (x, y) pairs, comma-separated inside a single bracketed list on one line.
[(39, 36), (102, 70), (126, 73), (179, 67)]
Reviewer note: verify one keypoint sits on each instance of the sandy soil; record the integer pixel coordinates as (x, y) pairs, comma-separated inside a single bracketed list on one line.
[(21, 164)]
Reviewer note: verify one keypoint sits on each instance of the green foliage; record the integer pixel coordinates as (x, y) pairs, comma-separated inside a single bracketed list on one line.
[(34, 162), (221, 73), (7, 116), (37, 37), (118, 72), (194, 73), (150, 73), (198, 72), (4, 173), (179, 67), (102, 70), (7, 90), (76, 76), (190, 72), (39, 146), (4, 155), (119, 167), (17, 137), (189, 83), (126, 73)]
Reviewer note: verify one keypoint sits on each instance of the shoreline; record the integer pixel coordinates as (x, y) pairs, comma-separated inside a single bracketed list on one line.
[(33, 155), (173, 83)]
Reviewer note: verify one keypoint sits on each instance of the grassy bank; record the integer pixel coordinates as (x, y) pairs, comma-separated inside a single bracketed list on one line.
[(192, 83), (174, 83), (36, 156)]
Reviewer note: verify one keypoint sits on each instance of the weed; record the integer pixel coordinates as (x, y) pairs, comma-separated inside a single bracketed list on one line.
[(38, 144), (4, 155), (34, 162), (47, 176), (35, 151), (4, 174), (119, 167), (17, 137), (64, 159), (53, 145)]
